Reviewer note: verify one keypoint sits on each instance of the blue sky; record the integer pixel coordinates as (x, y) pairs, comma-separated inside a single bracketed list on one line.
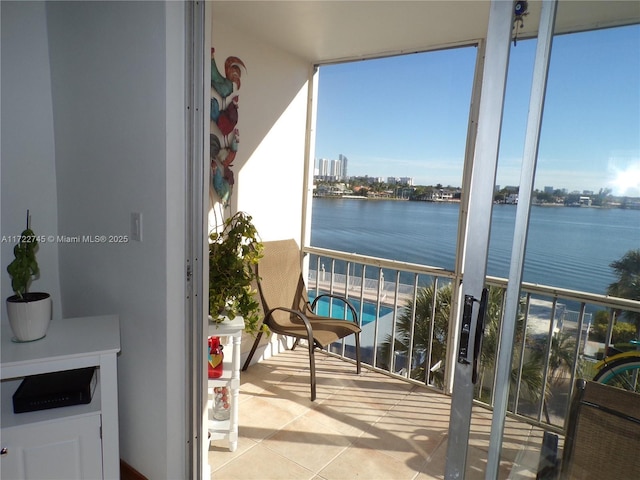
[(407, 116)]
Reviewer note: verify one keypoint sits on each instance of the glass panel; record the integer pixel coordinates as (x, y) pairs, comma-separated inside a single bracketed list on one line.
[(589, 158), (393, 141), (584, 222), (387, 185)]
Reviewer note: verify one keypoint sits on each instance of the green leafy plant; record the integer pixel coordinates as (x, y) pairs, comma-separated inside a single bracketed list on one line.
[(24, 266), (234, 252)]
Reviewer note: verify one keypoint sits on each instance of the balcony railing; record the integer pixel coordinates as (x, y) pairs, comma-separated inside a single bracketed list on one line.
[(407, 311)]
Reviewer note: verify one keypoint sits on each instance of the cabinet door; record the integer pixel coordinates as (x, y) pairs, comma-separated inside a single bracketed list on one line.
[(65, 449)]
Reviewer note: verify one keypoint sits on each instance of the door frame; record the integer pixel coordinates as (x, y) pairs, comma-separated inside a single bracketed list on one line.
[(476, 241), (196, 266)]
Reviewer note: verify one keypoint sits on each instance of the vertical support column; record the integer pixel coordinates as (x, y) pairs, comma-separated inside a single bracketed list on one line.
[(456, 295), (532, 140), (479, 219), (309, 155), (198, 17)]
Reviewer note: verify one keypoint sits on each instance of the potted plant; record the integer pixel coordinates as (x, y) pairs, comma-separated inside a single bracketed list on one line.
[(29, 312), (234, 252)]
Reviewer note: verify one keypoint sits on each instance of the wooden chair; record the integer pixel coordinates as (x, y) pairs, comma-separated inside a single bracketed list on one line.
[(603, 435), (287, 310)]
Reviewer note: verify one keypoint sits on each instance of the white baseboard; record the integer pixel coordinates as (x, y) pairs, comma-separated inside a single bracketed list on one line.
[(266, 349)]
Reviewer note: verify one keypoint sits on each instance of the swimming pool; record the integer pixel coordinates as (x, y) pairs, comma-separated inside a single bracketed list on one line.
[(337, 311)]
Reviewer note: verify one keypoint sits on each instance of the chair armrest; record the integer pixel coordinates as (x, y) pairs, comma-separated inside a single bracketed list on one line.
[(299, 314), (337, 297)]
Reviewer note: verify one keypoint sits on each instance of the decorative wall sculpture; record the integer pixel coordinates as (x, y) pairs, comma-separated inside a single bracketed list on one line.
[(224, 136)]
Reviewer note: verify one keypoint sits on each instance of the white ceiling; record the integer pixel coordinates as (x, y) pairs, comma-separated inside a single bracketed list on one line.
[(328, 31)]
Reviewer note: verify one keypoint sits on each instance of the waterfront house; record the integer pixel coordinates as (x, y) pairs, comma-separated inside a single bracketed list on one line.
[(512, 199), (585, 201), (102, 118), (441, 196)]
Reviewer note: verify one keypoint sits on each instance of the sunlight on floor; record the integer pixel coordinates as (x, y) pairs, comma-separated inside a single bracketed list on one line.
[(361, 426)]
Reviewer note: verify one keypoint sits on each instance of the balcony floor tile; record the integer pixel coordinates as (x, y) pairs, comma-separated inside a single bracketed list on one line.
[(361, 426)]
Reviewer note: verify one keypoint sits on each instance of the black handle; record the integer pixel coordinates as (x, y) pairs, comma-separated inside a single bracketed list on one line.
[(477, 347), (463, 348), (465, 333)]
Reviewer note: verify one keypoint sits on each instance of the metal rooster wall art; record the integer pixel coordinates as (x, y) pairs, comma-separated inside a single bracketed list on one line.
[(224, 136)]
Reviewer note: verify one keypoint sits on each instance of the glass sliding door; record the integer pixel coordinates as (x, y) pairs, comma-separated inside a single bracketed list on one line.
[(509, 326), (573, 215)]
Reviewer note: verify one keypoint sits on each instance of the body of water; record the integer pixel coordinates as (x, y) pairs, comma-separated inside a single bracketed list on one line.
[(566, 247)]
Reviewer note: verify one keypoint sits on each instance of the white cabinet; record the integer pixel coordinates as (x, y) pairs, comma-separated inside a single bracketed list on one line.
[(54, 450), (76, 442), (227, 429)]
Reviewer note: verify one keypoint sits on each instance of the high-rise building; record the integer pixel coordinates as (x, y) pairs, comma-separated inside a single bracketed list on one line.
[(322, 167), (406, 181), (343, 171), (335, 170), (331, 170)]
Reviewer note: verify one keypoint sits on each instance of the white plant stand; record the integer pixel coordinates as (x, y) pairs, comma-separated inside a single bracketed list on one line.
[(79, 441), (227, 429)]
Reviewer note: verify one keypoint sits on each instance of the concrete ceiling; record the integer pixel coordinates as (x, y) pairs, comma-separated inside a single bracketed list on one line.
[(329, 31)]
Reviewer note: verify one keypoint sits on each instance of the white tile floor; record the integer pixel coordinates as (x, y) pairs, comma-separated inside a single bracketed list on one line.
[(367, 426)]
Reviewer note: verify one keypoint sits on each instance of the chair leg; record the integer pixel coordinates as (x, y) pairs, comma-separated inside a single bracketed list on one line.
[(253, 350), (295, 344), (358, 353), (312, 369), (548, 463)]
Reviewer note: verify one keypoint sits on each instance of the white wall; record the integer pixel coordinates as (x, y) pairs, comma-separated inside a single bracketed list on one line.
[(27, 143), (113, 155), (272, 121), (269, 166), (99, 137)]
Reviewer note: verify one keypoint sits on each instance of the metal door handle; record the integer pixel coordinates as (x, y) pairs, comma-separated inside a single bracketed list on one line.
[(477, 348), (463, 348), (465, 333)]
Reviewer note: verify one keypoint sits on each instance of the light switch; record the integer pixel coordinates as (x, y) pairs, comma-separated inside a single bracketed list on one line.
[(136, 226)]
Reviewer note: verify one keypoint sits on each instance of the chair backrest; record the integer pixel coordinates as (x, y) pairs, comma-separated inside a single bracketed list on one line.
[(280, 277), (603, 433)]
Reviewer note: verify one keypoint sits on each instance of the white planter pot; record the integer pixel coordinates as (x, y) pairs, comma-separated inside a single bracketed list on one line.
[(29, 317)]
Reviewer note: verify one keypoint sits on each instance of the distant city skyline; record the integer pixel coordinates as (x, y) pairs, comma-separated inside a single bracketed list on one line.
[(331, 168), (410, 181), (407, 116)]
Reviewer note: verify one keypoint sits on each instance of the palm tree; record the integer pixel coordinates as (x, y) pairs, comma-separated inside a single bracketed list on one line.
[(561, 356), (421, 357), (531, 374), (628, 284)]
